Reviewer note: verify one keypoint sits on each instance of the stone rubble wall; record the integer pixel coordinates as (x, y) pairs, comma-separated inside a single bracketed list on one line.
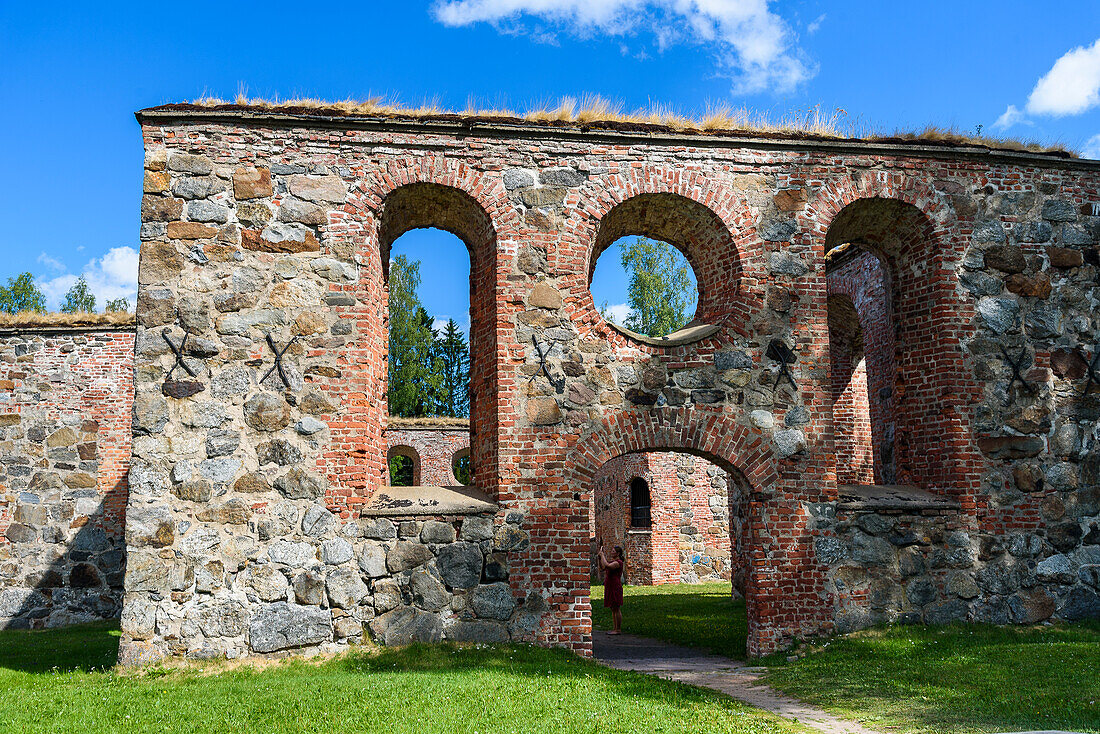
[(65, 399), (897, 565), (432, 449), (689, 541), (400, 581), (278, 228)]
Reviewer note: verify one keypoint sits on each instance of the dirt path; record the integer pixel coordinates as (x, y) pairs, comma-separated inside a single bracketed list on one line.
[(731, 677)]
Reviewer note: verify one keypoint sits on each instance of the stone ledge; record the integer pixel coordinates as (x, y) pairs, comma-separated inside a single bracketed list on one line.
[(411, 501), (687, 335), (875, 497)]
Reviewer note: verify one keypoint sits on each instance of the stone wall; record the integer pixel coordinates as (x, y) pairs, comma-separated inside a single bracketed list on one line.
[(65, 398), (265, 232), (914, 561), (689, 540)]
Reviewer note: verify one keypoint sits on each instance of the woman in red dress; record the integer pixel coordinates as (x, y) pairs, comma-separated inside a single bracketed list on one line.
[(612, 569)]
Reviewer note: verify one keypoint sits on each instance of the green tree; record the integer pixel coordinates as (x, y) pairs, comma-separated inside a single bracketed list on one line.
[(118, 305), (21, 294), (79, 299), (660, 288), (413, 377), (453, 357)]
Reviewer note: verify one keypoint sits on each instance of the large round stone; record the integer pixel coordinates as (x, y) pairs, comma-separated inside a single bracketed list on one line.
[(266, 412), (460, 565)]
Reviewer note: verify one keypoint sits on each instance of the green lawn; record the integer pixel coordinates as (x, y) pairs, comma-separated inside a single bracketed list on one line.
[(950, 680), (61, 681), (976, 678), (696, 615)]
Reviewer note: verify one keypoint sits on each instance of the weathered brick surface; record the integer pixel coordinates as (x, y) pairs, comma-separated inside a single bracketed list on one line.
[(65, 399), (689, 539), (432, 449), (965, 238)]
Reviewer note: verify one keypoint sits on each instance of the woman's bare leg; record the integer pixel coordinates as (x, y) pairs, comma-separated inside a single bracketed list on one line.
[(617, 620)]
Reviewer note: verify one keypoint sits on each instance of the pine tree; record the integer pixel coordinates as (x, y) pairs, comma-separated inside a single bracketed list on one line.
[(21, 294), (660, 289), (454, 367), (79, 299), (413, 379)]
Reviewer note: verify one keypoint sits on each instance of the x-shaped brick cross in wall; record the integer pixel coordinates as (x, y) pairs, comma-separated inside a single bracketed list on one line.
[(278, 359), (1016, 376), (178, 351)]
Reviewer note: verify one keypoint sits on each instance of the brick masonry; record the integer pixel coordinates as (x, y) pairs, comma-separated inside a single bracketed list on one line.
[(65, 399), (433, 449), (278, 226), (689, 537)]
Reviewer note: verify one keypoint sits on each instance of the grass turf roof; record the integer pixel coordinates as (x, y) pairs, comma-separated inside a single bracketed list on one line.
[(596, 112), (44, 320)]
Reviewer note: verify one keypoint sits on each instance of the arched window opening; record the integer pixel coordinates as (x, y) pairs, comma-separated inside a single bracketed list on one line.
[(673, 275), (461, 468), (447, 333), (640, 515), (404, 467), (884, 255)]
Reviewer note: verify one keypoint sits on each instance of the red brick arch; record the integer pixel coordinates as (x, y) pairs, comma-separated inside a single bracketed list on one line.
[(712, 436), (933, 384), (709, 222)]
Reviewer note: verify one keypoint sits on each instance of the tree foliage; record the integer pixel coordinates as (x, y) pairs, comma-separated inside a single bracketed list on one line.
[(413, 379), (660, 289), (429, 372), (79, 299), (454, 365), (118, 305), (21, 294)]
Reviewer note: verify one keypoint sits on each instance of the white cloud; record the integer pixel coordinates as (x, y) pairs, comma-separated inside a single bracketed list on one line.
[(51, 263), (812, 27), (755, 45), (1092, 148), (618, 313), (1012, 116), (1072, 85), (109, 277)]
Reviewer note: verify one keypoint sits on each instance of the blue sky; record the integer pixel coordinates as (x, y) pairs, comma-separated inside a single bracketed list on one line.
[(73, 75)]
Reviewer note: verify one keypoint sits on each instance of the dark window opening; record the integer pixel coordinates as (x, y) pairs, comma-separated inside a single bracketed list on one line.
[(639, 504), (402, 471)]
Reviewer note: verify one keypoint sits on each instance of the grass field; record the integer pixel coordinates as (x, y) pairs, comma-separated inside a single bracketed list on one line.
[(948, 680), (699, 615), (60, 681)]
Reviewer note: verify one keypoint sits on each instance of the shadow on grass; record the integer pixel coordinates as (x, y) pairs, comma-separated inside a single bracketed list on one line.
[(85, 648)]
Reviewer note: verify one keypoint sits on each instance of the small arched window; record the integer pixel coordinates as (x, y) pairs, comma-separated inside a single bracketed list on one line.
[(640, 516)]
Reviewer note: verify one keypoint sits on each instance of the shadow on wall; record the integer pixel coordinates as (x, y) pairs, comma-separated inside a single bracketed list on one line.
[(62, 552)]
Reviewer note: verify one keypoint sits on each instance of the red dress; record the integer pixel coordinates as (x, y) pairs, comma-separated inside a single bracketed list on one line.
[(613, 586)]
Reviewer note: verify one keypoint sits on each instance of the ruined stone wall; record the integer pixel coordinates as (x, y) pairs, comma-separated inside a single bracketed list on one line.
[(433, 450), (65, 398), (893, 563), (278, 227), (689, 540)]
